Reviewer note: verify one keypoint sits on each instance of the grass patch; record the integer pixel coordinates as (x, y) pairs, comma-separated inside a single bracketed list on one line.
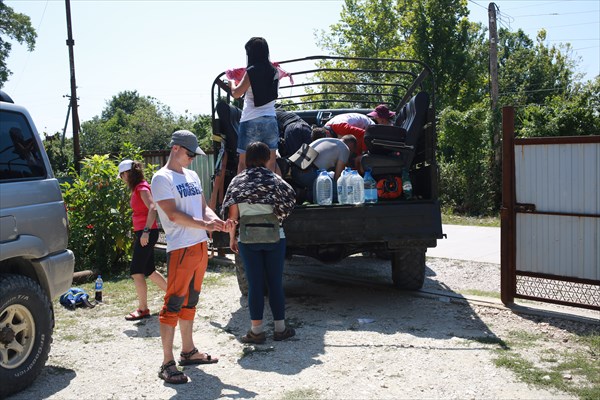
[(572, 371), (490, 340), (301, 394), (480, 293), (217, 276), (453, 219)]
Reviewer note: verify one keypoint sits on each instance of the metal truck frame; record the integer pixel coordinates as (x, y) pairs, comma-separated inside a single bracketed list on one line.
[(400, 230)]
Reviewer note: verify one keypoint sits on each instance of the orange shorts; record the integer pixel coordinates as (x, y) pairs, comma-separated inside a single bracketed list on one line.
[(185, 272)]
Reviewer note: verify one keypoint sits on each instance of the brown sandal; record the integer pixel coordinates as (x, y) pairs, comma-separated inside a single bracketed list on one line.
[(186, 358), (170, 374)]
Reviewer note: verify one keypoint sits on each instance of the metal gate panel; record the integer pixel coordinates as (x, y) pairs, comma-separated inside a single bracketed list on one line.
[(559, 177), (550, 232), (558, 245)]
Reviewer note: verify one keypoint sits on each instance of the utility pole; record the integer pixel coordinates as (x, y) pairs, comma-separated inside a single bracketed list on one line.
[(75, 117), (494, 80)]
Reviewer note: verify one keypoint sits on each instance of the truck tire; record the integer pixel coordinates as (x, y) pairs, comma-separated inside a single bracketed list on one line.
[(240, 272), (408, 268), (26, 324)]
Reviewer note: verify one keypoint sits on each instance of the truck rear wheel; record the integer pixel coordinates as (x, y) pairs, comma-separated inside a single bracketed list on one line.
[(408, 268), (240, 272)]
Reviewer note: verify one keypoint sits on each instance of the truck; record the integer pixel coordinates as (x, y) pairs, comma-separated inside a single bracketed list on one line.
[(35, 264), (318, 88)]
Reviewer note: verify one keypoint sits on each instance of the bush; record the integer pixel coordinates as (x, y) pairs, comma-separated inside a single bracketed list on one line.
[(466, 162), (99, 216)]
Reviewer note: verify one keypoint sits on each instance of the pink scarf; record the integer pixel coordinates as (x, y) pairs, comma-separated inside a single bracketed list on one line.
[(237, 74)]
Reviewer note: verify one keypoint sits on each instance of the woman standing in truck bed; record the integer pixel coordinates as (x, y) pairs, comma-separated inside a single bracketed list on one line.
[(260, 84)]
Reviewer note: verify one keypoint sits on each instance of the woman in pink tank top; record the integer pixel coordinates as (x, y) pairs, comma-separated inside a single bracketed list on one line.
[(146, 236)]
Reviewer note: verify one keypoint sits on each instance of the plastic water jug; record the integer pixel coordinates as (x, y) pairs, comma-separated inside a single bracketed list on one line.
[(358, 188), (370, 188), (341, 188), (324, 189)]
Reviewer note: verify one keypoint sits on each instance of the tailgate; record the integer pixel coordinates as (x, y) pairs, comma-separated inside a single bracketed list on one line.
[(381, 222)]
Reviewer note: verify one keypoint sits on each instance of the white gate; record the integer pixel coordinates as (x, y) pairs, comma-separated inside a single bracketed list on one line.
[(550, 218)]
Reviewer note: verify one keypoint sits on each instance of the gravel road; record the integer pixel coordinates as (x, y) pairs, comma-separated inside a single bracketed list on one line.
[(357, 338)]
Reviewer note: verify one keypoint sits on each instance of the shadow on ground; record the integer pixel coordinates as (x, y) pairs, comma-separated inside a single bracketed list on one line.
[(327, 300)]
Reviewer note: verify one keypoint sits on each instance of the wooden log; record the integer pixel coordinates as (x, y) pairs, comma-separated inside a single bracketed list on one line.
[(83, 276)]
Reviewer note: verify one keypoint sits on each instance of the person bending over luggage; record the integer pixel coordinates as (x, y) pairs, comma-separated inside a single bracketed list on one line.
[(357, 120), (294, 131), (260, 84), (257, 192), (382, 115), (334, 155), (340, 129)]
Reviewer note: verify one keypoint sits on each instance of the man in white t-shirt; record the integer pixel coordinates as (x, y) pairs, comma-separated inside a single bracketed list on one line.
[(186, 220)]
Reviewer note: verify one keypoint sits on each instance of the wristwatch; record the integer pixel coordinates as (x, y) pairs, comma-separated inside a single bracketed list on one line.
[(146, 229)]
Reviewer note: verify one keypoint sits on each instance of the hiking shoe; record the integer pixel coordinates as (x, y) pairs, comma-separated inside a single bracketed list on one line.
[(286, 334), (251, 337)]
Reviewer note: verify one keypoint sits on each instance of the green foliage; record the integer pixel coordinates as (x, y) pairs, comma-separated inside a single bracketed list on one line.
[(14, 26), (140, 120), (529, 72), (60, 153), (99, 216), (436, 32), (574, 114), (465, 155)]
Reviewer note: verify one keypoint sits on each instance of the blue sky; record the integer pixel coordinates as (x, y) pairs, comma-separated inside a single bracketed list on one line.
[(172, 50)]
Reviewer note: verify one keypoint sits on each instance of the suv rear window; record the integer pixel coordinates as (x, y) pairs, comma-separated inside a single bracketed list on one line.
[(20, 156)]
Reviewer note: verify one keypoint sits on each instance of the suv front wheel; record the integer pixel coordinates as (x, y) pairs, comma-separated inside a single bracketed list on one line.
[(26, 325)]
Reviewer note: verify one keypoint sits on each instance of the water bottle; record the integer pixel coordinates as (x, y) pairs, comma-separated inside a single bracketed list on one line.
[(99, 284), (324, 189), (406, 185), (370, 188), (358, 187), (348, 189), (341, 189)]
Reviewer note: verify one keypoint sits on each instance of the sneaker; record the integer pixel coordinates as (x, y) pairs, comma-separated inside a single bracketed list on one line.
[(251, 337), (286, 334)]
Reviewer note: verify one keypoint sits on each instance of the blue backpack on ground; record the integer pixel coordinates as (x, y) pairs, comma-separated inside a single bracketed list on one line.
[(75, 297)]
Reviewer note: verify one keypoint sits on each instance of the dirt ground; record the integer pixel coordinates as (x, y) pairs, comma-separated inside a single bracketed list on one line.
[(357, 338)]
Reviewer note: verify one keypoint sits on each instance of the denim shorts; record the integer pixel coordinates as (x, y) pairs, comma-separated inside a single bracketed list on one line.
[(261, 129)]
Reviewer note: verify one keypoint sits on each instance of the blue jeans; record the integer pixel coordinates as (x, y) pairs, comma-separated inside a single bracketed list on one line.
[(264, 260), (261, 129)]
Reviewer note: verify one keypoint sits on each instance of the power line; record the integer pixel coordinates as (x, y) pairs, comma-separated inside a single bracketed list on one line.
[(584, 23), (477, 4), (29, 52), (556, 14)]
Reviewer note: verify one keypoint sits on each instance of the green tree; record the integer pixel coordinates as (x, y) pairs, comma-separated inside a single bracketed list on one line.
[(436, 32), (60, 153), (529, 72), (17, 27), (575, 113), (141, 120)]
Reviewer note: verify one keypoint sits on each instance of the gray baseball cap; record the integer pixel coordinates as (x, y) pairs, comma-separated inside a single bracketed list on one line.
[(186, 139)]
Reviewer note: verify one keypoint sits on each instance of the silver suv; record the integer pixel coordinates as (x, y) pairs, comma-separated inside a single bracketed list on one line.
[(35, 264)]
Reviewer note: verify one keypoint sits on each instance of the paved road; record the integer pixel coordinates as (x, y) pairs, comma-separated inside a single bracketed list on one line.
[(472, 243)]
